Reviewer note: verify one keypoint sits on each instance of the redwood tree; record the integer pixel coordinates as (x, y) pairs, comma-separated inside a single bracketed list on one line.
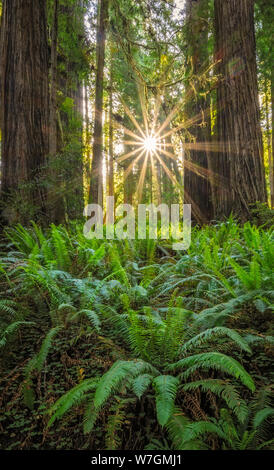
[(24, 99), (96, 183), (196, 182), (240, 158)]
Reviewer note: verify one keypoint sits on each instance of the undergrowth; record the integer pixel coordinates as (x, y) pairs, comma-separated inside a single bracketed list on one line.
[(129, 345)]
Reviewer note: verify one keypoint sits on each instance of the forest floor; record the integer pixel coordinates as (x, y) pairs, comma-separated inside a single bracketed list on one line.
[(72, 308)]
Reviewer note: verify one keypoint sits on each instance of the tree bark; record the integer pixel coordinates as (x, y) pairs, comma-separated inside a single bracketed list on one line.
[(87, 126), (96, 183), (240, 156), (53, 83), (24, 99), (111, 153), (55, 201), (269, 143), (271, 170), (197, 188)]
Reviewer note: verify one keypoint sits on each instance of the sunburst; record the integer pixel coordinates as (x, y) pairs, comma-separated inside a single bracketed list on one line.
[(149, 142)]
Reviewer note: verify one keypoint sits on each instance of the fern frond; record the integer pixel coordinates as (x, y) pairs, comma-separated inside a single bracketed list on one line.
[(72, 398), (140, 384), (261, 416), (116, 418), (224, 390), (11, 329), (8, 306), (166, 387), (120, 371), (37, 362), (212, 333), (90, 416), (176, 428), (200, 429), (91, 315), (217, 361)]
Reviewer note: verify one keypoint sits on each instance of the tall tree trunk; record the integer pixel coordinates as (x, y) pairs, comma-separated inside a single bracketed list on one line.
[(196, 187), (128, 177), (240, 158), (96, 183), (87, 125), (24, 98), (272, 109), (55, 202), (269, 143), (72, 186), (110, 156), (53, 83)]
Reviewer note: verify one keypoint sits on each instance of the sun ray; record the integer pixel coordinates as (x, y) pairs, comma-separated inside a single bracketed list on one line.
[(156, 111), (132, 142), (140, 186), (200, 171), (216, 179), (173, 112), (143, 106), (154, 143), (168, 119), (167, 170), (168, 154), (210, 146), (132, 118), (128, 155), (185, 125), (155, 178), (129, 132), (129, 168)]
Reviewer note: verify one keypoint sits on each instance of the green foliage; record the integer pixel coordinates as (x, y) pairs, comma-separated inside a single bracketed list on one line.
[(166, 388), (11, 328), (73, 397), (179, 334)]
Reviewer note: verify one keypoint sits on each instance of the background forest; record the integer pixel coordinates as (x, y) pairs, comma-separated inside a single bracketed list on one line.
[(128, 344)]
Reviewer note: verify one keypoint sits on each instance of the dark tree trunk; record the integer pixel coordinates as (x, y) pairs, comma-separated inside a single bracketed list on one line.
[(240, 159), (271, 169), (87, 126), (269, 144), (128, 177), (96, 183), (55, 202), (197, 188), (110, 155), (71, 182), (24, 99), (169, 188), (53, 83)]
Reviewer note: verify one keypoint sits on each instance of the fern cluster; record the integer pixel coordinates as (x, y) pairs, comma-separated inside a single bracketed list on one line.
[(172, 324)]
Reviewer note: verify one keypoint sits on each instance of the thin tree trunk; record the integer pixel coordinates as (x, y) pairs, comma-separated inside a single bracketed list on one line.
[(87, 123), (24, 101), (269, 150), (96, 183), (110, 156), (240, 159)]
